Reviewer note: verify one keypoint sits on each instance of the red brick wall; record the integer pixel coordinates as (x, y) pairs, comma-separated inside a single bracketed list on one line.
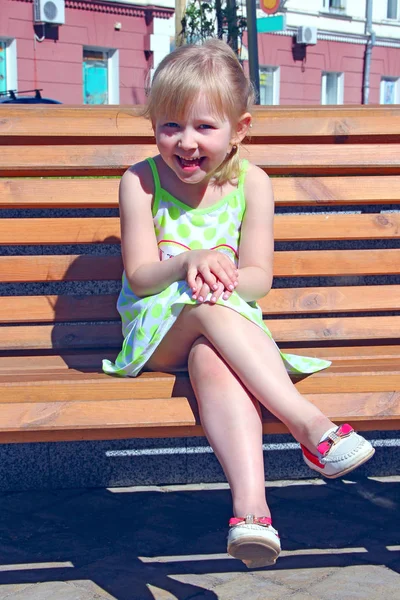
[(300, 82), (56, 65)]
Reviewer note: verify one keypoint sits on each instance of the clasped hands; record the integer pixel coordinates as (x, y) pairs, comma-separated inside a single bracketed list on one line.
[(210, 275)]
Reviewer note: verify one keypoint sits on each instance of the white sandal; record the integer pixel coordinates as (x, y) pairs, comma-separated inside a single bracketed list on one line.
[(254, 541), (340, 451)]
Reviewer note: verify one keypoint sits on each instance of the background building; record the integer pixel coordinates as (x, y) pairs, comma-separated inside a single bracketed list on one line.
[(331, 70), (101, 54), (104, 50)]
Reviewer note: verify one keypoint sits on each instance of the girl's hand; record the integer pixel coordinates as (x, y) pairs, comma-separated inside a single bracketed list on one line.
[(204, 292), (213, 267)]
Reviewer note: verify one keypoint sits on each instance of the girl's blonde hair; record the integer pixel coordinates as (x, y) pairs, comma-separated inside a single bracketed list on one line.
[(212, 68)]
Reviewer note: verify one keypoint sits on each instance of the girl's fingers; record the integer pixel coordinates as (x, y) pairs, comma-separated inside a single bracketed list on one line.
[(203, 293), (191, 279), (208, 277), (216, 294)]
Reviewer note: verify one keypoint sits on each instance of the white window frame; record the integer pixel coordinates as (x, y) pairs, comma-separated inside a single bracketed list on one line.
[(276, 83), (397, 17), (326, 4), (397, 89), (113, 71), (340, 87), (11, 63)]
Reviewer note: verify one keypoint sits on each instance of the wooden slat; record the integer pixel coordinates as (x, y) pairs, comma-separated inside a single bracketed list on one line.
[(287, 228), (338, 328), (295, 159), (288, 191), (331, 299), (299, 191), (71, 385), (62, 337), (335, 262), (87, 336), (342, 356), (54, 193), (100, 414), (286, 264), (82, 420), (62, 267), (53, 363), (45, 309), (120, 121)]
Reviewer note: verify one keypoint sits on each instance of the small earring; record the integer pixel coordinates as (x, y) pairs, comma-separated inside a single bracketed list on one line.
[(234, 148)]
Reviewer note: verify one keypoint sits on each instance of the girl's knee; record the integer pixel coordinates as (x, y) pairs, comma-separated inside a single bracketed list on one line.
[(203, 358)]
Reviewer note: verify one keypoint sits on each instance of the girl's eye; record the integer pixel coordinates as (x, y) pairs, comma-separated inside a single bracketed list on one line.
[(171, 124), (205, 126)]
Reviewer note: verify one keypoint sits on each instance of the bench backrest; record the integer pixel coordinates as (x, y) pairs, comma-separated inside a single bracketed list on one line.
[(336, 179)]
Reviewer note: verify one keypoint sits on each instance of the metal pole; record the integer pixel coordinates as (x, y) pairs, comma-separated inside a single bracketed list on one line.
[(253, 46), (368, 52)]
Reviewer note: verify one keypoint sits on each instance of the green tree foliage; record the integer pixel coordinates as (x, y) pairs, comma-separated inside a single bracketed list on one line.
[(222, 18)]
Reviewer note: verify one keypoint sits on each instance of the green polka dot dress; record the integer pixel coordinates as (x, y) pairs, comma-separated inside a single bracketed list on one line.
[(178, 227)]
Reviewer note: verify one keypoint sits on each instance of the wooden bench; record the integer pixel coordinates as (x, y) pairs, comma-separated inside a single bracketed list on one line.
[(336, 166)]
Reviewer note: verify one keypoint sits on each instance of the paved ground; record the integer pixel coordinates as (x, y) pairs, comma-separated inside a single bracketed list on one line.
[(340, 540)]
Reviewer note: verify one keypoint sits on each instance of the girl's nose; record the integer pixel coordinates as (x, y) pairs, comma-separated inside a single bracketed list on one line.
[(187, 140)]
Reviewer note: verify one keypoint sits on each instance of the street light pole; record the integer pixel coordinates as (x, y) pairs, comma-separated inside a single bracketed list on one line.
[(253, 46)]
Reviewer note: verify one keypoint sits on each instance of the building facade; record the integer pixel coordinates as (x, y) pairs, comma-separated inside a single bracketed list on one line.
[(105, 49), (101, 54), (330, 70)]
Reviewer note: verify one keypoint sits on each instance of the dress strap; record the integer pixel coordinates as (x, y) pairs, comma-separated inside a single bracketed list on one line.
[(244, 164), (157, 184)]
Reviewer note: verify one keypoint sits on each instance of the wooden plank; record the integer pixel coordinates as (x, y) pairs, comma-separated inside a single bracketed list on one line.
[(60, 267), (106, 230), (287, 301), (45, 309), (335, 262), (67, 386), (55, 193), (100, 414), (335, 328), (118, 121), (61, 337), (284, 159), (288, 191), (48, 421), (286, 264), (301, 191), (37, 364), (331, 299), (108, 335)]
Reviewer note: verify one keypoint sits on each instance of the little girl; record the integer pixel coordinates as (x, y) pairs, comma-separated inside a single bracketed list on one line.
[(197, 245)]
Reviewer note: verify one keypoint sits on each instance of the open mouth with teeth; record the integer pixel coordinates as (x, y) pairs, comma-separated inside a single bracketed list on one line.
[(189, 164)]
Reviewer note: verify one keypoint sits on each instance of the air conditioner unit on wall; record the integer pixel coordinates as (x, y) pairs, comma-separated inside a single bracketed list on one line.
[(49, 11), (307, 35)]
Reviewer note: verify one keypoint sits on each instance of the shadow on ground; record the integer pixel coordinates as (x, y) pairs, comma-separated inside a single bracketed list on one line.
[(123, 542)]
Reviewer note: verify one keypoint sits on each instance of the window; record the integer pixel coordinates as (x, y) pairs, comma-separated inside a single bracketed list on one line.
[(390, 90), (332, 91), (269, 85), (8, 65), (335, 5), (100, 76), (392, 9)]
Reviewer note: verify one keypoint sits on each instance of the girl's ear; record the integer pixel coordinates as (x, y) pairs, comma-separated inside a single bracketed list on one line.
[(242, 128)]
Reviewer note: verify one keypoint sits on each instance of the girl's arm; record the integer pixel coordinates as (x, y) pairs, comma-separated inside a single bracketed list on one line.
[(256, 247), (145, 272)]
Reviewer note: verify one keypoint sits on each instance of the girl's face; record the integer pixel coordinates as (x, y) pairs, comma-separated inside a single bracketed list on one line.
[(194, 147)]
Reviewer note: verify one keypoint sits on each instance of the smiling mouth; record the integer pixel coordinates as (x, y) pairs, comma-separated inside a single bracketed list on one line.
[(189, 162)]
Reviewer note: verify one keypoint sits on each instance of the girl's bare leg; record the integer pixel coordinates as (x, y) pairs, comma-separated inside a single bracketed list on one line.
[(252, 356), (231, 421)]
